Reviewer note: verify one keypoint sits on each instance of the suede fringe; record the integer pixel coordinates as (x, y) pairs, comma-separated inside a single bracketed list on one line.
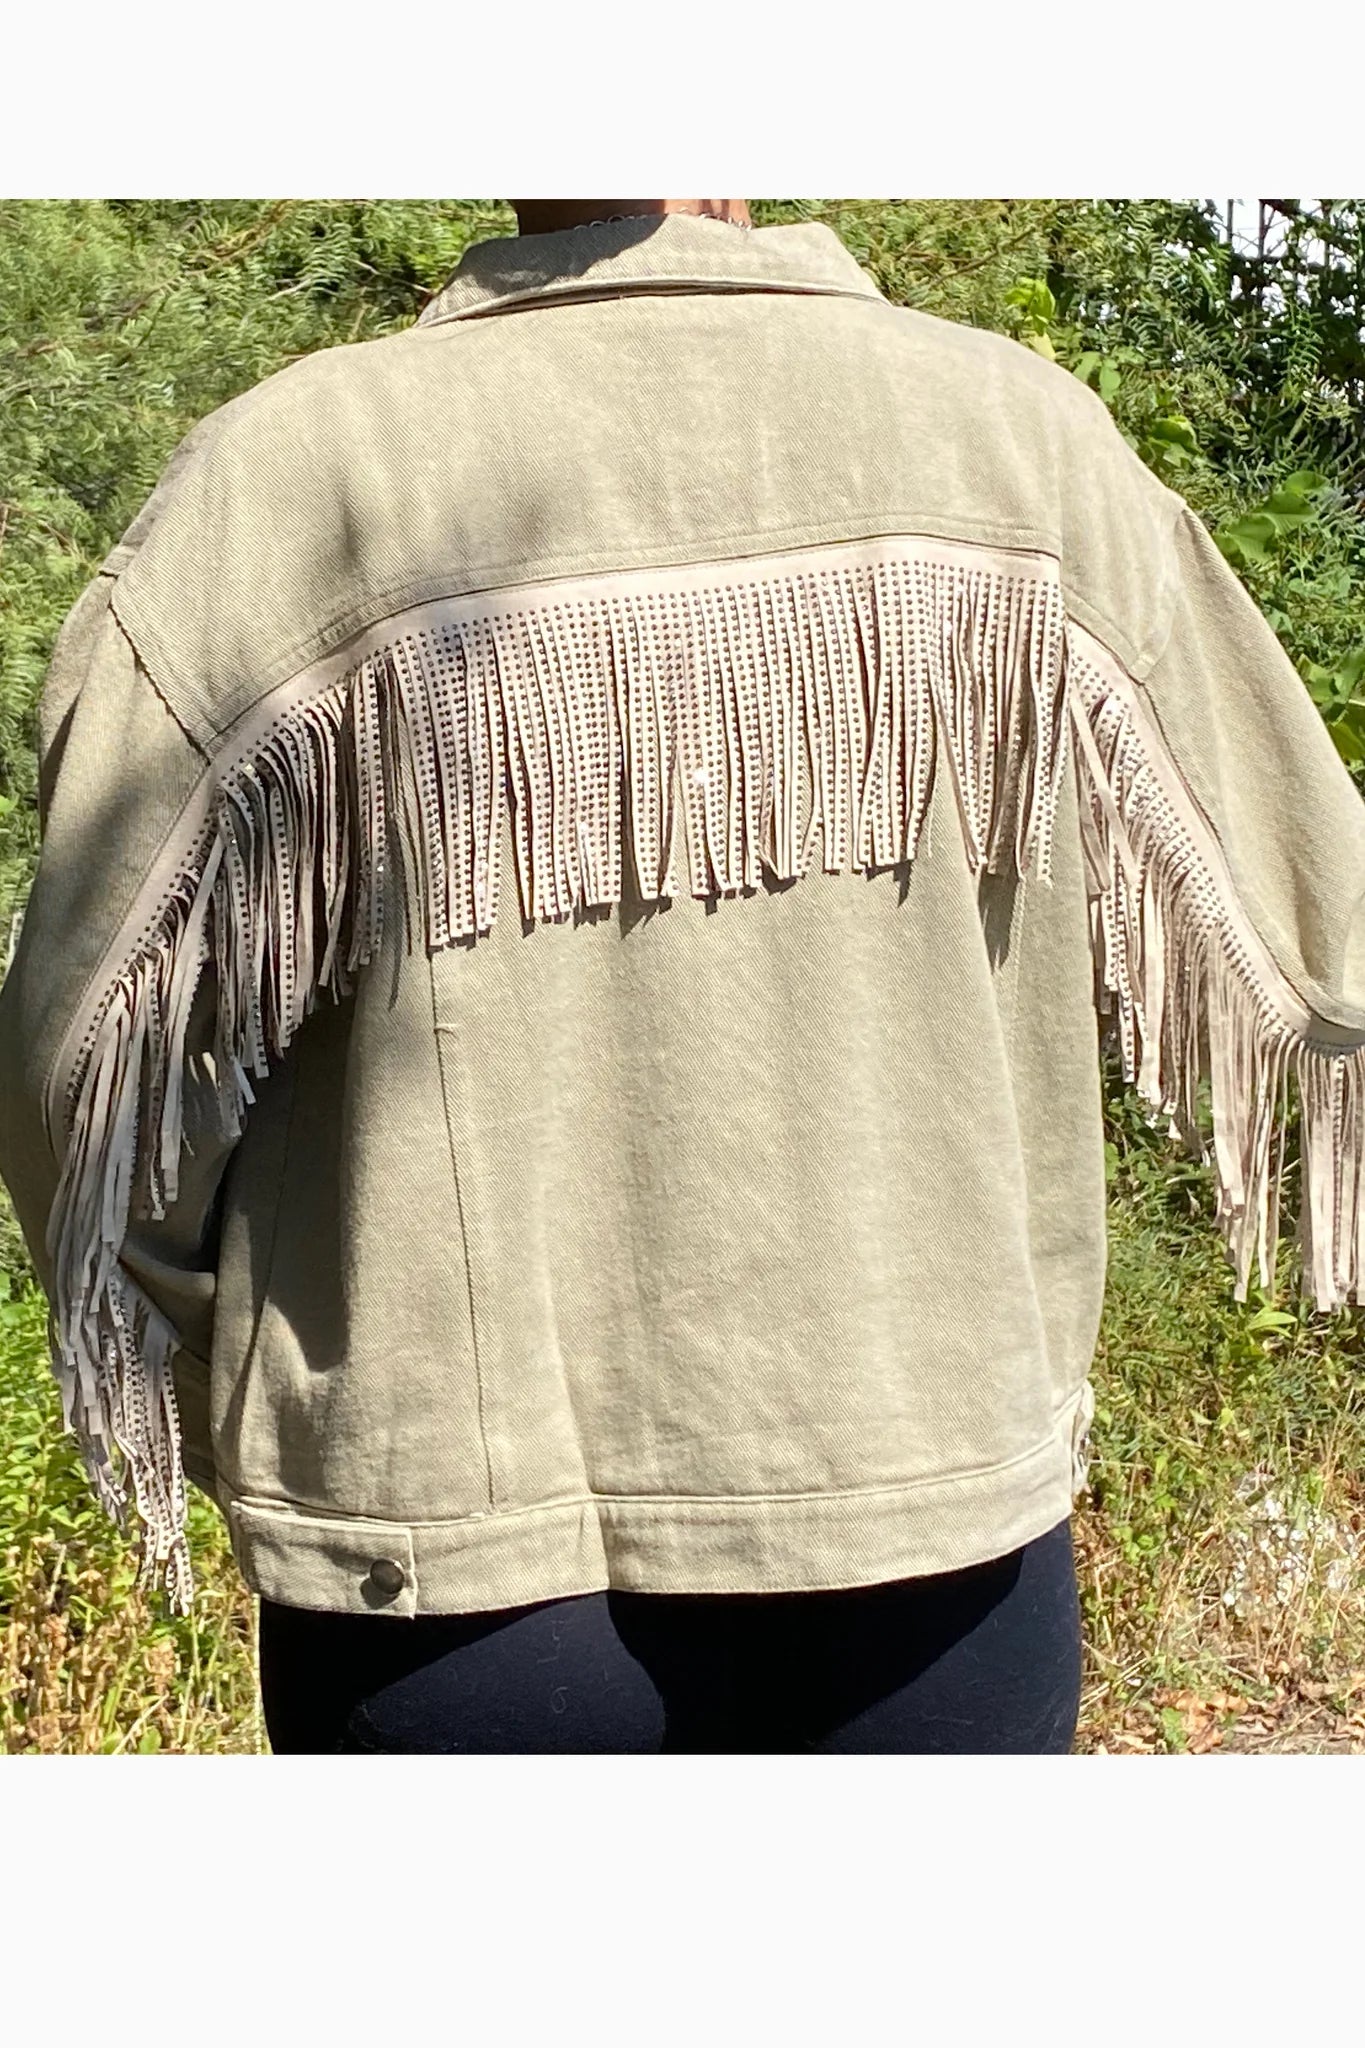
[(1190, 993), (741, 719)]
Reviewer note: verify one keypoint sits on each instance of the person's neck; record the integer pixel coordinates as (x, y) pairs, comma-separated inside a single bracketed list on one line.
[(547, 216)]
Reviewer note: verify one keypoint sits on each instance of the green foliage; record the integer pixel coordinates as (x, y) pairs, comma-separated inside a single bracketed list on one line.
[(124, 322), (1253, 536), (1239, 382), (1250, 410), (1203, 1407), (1340, 696), (86, 1665)]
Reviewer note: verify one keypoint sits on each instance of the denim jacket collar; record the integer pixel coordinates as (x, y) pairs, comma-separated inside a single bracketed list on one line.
[(669, 252)]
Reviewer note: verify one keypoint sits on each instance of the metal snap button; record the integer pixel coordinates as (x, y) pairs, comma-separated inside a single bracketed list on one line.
[(387, 1575)]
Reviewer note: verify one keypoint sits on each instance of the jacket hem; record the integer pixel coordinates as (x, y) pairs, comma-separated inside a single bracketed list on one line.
[(657, 1544)]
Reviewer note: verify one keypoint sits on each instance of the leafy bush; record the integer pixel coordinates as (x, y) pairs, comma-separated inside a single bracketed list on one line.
[(1238, 379)]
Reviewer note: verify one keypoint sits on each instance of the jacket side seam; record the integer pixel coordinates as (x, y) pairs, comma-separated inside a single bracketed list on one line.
[(479, 1388)]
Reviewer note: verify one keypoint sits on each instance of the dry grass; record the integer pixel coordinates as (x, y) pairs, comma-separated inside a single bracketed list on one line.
[(88, 1669), (1195, 1593), (90, 1665), (1221, 1546)]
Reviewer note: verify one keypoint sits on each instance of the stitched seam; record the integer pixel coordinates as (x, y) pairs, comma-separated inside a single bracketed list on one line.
[(748, 544), (543, 300), (468, 1261), (1177, 509), (286, 1511), (1252, 931), (250, 1355), (1265, 929), (163, 870), (96, 978)]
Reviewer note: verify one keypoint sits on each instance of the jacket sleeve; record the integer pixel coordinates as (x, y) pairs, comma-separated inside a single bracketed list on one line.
[(1226, 857), (123, 1239)]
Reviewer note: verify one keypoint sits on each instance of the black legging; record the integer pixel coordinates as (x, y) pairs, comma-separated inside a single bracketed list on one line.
[(984, 1661)]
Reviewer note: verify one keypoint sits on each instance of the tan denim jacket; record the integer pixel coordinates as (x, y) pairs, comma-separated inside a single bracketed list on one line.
[(553, 1044)]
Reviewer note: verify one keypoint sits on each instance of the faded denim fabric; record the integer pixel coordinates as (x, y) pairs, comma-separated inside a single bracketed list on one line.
[(712, 1237)]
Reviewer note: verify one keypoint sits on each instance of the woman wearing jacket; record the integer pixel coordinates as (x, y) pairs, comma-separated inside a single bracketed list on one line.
[(551, 1059)]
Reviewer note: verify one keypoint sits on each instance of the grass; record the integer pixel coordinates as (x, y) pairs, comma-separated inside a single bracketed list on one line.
[(1222, 1538), (90, 1665), (1221, 1543)]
